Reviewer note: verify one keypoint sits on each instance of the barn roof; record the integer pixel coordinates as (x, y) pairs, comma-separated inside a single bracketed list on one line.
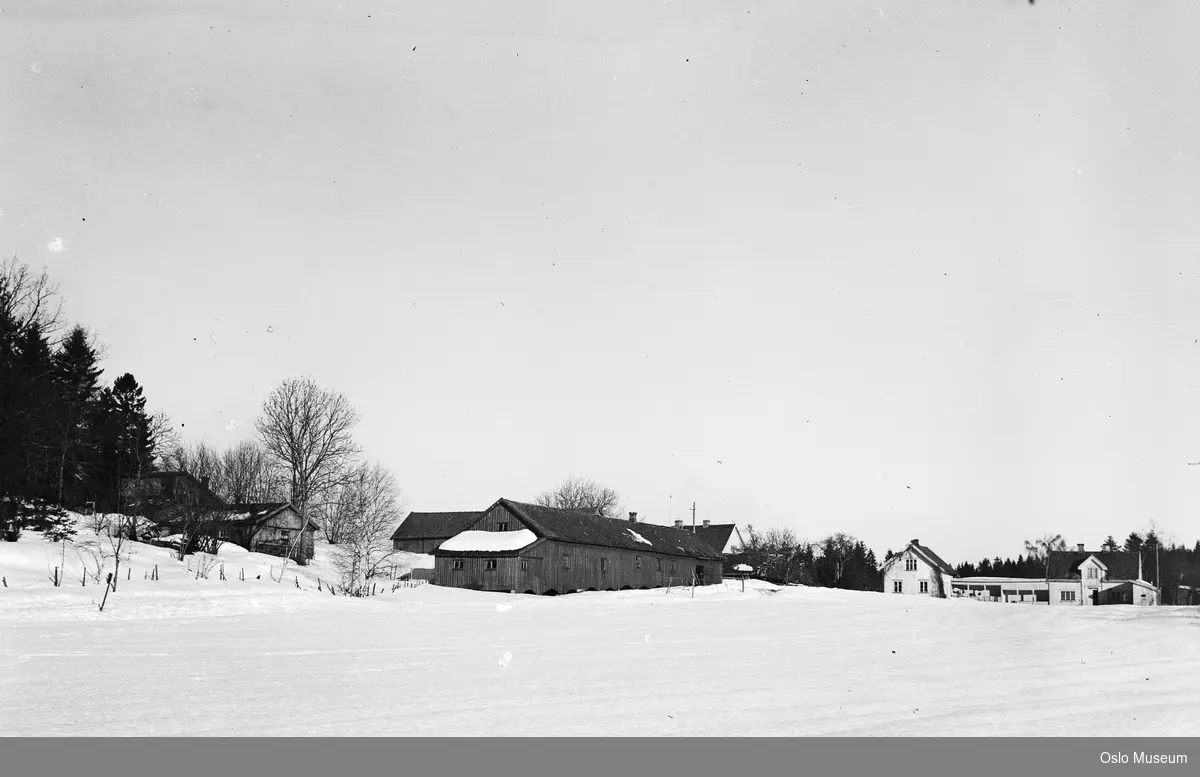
[(434, 526), (258, 512), (588, 529), (716, 535)]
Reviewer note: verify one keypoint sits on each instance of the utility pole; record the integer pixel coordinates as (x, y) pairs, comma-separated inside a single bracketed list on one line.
[(693, 517)]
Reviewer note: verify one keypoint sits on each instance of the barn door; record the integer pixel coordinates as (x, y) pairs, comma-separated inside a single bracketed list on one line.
[(700, 574)]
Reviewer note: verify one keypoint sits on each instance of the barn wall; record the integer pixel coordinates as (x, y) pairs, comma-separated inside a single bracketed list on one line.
[(492, 520), (564, 567), (475, 575)]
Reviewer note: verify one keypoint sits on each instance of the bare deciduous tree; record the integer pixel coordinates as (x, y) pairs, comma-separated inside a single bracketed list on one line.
[(370, 504), (28, 298), (308, 430), (200, 460), (584, 495), (248, 474), (1040, 550)]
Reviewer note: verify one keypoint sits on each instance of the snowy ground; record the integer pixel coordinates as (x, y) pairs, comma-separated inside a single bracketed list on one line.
[(194, 657)]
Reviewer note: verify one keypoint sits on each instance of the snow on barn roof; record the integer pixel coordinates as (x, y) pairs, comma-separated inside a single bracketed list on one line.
[(639, 537), (489, 541), (587, 529)]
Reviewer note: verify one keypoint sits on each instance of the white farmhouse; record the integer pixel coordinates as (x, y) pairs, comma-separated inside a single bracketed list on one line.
[(917, 571)]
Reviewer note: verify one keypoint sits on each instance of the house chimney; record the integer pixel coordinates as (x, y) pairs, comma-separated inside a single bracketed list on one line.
[(915, 542), (705, 522), (1080, 546), (678, 523), (633, 517)]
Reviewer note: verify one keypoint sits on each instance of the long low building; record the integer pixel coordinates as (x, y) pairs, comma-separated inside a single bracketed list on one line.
[(524, 548), (1076, 577)]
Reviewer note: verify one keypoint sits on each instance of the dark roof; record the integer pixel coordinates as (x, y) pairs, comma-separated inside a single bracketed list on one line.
[(205, 492), (1122, 565), (925, 554), (715, 535), (931, 558), (589, 529), (434, 526), (258, 512)]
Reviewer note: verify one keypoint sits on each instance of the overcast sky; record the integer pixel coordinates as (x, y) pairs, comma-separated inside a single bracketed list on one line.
[(897, 269)]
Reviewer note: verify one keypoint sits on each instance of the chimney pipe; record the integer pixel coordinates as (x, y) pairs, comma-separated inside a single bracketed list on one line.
[(678, 523), (915, 542), (1080, 546), (706, 522), (633, 517)]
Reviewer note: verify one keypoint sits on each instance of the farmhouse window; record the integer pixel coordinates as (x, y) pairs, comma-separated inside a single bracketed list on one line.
[(910, 565), (924, 586), (898, 587), (502, 526), (524, 565), (637, 562), (458, 563), (603, 565), (1067, 596)]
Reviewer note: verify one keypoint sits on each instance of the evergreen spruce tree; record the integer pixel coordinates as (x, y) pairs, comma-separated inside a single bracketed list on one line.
[(77, 373), (126, 444)]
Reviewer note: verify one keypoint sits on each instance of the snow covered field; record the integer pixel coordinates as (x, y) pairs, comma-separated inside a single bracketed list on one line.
[(195, 657)]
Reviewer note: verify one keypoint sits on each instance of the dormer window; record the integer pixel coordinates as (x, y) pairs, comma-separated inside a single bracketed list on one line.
[(1092, 573)]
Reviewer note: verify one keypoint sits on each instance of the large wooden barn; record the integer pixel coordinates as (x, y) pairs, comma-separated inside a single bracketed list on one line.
[(523, 548)]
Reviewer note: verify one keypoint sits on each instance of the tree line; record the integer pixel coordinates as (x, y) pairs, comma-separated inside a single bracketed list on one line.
[(69, 440), (66, 437), (1166, 564)]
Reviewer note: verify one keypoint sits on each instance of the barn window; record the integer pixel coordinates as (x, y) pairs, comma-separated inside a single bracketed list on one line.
[(658, 564), (524, 565), (672, 566), (566, 562), (223, 533), (489, 563), (910, 565), (637, 562), (458, 563), (285, 535), (924, 586), (603, 565), (898, 587), (502, 526)]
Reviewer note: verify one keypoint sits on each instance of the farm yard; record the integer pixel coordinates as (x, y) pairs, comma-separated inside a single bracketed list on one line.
[(190, 655)]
